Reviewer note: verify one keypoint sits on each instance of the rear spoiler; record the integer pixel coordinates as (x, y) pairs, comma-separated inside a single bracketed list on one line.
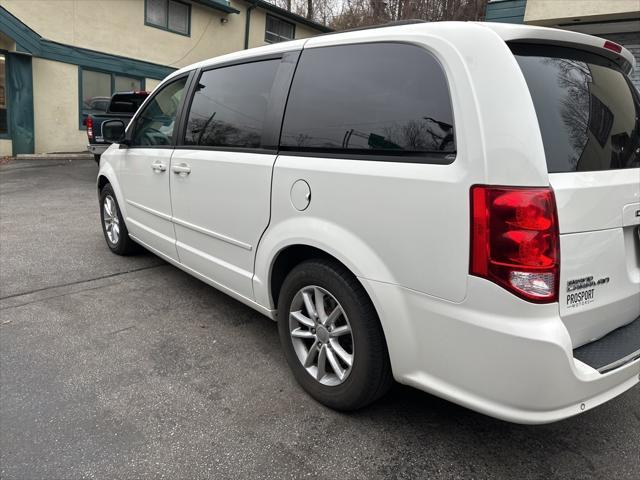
[(511, 33)]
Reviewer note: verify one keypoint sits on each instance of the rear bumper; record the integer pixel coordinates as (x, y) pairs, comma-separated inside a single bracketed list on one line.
[(493, 353), (97, 149), (613, 350)]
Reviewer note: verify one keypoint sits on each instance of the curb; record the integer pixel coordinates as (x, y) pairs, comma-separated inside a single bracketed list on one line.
[(55, 156)]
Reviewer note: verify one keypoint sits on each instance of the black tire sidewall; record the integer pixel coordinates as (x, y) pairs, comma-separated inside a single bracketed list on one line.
[(356, 390)]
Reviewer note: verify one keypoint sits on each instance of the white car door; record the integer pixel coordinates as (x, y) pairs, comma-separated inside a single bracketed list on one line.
[(143, 170), (221, 174)]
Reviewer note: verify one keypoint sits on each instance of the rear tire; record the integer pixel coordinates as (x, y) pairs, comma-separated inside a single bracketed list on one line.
[(354, 335), (113, 226)]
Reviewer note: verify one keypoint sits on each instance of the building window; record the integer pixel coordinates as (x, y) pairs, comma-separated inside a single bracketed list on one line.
[(169, 15), (4, 129), (278, 30), (96, 89)]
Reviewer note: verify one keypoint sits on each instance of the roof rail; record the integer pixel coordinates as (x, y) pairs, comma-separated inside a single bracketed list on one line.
[(382, 25)]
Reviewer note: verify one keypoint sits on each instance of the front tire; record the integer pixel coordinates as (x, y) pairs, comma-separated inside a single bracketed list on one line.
[(332, 337), (113, 226)]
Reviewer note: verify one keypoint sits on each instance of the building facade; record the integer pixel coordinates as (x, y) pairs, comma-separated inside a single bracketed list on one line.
[(615, 20), (61, 60)]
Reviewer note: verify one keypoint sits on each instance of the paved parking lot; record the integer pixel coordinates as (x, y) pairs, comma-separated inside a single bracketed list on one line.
[(116, 367)]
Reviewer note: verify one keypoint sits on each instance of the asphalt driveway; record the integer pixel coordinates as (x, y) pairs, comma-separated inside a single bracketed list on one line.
[(116, 367)]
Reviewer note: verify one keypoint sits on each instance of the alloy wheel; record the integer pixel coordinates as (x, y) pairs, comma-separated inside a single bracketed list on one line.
[(321, 335), (110, 219)]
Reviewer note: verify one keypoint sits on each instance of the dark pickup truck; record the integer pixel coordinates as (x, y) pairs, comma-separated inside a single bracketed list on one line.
[(121, 107)]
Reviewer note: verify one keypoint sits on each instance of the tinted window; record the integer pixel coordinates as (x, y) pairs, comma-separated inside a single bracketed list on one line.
[(155, 124), (389, 99), (230, 104), (589, 113), (126, 102)]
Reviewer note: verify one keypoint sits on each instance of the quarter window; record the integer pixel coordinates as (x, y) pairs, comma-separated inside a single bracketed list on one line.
[(154, 125), (373, 99), (278, 30), (230, 105), (169, 14)]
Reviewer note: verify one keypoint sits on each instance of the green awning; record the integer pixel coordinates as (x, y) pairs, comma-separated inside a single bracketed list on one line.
[(218, 5)]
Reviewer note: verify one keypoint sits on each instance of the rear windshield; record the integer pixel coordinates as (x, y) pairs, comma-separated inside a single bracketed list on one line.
[(588, 110), (126, 102)]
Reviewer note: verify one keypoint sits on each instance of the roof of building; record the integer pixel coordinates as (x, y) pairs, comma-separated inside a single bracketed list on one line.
[(221, 5), (281, 12), (31, 43), (224, 6)]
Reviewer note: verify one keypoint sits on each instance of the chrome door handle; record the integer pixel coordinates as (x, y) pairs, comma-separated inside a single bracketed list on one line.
[(158, 166), (181, 169)]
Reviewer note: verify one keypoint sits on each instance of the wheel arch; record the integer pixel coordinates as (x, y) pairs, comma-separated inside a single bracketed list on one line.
[(299, 238), (291, 255), (102, 181), (107, 175), (287, 259)]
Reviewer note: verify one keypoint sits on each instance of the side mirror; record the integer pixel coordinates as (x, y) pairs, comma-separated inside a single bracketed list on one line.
[(113, 131)]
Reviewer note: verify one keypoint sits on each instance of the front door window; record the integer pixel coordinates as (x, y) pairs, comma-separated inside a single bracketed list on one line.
[(155, 124)]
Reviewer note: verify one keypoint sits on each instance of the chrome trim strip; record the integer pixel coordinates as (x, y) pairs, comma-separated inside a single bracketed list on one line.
[(191, 226), (212, 234), (621, 362), (211, 259), (156, 234), (164, 216)]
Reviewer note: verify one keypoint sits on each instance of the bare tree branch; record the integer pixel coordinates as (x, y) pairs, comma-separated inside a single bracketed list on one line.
[(345, 14)]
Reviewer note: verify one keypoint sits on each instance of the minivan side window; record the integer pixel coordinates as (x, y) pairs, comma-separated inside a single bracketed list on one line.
[(387, 99), (230, 105), (154, 125)]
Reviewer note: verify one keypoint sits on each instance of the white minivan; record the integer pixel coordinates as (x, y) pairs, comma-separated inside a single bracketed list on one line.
[(455, 206)]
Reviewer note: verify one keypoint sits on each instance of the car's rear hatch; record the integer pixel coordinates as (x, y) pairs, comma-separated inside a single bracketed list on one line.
[(589, 117)]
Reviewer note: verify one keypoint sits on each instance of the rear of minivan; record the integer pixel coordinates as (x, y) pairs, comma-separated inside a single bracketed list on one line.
[(503, 260), (589, 116), (576, 242), (549, 326)]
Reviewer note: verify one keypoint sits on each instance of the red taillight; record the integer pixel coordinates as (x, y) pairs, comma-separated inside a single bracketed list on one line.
[(515, 240), (614, 47), (89, 124)]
